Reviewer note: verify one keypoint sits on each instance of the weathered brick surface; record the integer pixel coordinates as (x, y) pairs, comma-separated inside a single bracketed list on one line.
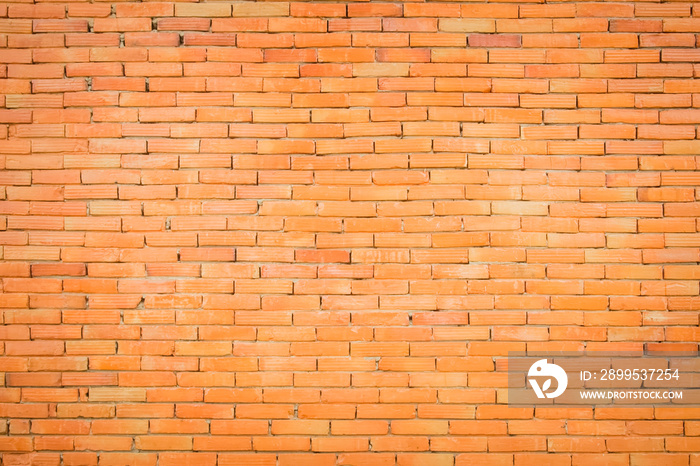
[(281, 233)]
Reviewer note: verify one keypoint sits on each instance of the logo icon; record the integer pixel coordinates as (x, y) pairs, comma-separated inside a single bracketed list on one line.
[(543, 369)]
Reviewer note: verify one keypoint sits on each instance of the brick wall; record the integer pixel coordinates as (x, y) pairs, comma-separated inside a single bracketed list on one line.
[(307, 233)]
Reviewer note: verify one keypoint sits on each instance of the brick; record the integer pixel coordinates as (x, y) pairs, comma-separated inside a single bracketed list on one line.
[(276, 211)]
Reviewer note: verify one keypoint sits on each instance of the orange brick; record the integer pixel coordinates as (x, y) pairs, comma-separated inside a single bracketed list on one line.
[(283, 233)]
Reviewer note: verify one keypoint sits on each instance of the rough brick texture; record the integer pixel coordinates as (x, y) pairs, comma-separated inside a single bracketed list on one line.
[(308, 233)]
